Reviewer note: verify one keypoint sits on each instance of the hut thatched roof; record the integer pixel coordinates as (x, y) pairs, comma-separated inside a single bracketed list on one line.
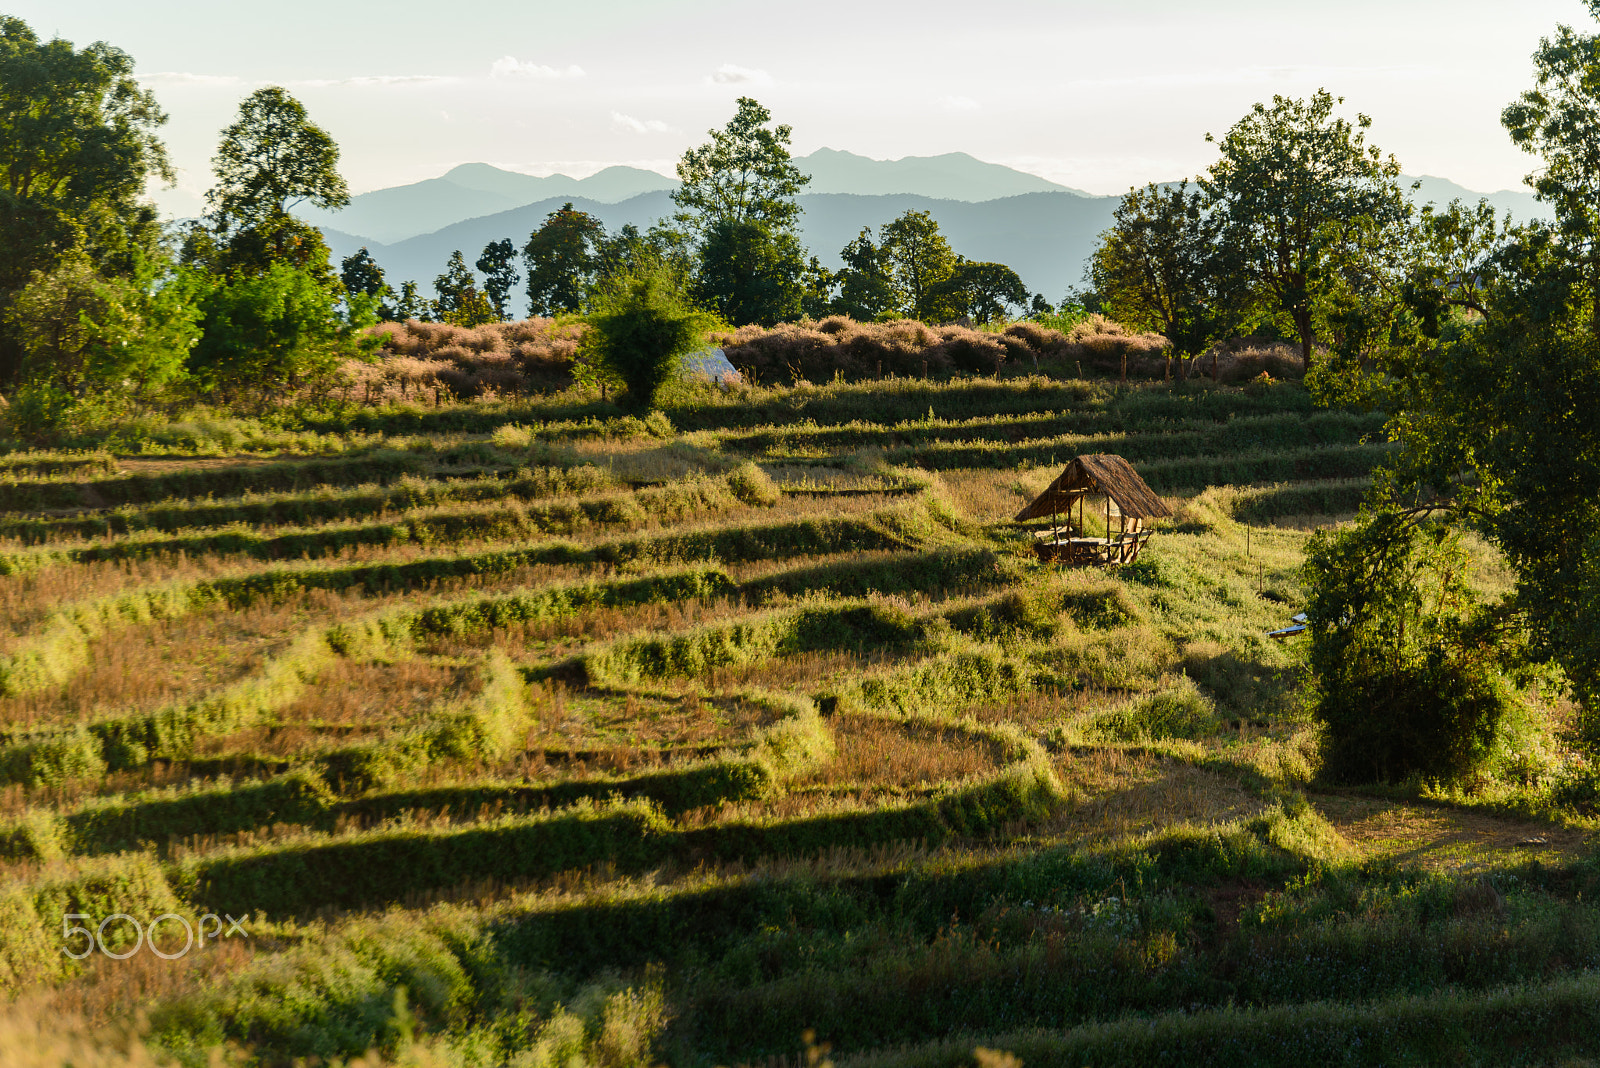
[(1098, 473)]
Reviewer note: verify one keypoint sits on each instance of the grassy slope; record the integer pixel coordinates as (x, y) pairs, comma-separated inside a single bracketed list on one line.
[(715, 753)]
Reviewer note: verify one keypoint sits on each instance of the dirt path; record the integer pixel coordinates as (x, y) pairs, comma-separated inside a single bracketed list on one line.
[(1443, 838)]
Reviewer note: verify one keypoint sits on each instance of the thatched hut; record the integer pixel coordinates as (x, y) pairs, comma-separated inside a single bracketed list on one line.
[(1092, 486)]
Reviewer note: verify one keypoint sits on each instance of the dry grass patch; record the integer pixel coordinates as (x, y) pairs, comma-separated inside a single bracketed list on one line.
[(348, 693), (1125, 793), (1442, 838), (873, 754)]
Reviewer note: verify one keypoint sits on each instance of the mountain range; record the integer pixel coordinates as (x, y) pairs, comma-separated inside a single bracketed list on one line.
[(1041, 229)]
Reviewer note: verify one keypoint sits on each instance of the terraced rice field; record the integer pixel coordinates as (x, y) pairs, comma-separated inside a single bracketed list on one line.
[(656, 745)]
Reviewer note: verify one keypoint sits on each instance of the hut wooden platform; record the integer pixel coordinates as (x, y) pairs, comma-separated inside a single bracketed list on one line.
[(1129, 506)]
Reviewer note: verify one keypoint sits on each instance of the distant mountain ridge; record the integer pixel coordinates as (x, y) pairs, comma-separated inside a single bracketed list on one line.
[(1042, 230), (472, 190)]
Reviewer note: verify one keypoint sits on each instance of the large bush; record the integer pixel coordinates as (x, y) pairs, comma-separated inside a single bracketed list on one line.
[(1406, 666)]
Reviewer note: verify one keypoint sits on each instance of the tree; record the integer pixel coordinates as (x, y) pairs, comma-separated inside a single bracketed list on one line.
[(817, 286), (641, 324), (96, 346), (275, 330), (1494, 409), (412, 304), (745, 174), (77, 146), (1157, 267), (564, 261), (460, 301), (499, 266), (1291, 183), (866, 286), (272, 158), (749, 273), (919, 259), (1559, 121), (1406, 676), (980, 291), (361, 275)]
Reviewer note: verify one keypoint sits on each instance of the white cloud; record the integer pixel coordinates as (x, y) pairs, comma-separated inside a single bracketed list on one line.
[(511, 67), (639, 126), (731, 74), (176, 77), (960, 105)]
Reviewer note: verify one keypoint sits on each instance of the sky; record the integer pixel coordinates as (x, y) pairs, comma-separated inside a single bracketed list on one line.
[(1096, 96)]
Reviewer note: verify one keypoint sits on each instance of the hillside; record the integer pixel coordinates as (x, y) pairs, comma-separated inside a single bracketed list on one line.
[(532, 728), (1045, 237), (1044, 231)]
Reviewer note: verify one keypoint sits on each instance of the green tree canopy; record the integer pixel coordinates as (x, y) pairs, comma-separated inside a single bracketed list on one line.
[(460, 301), (500, 276), (641, 325), (745, 174), (361, 275), (1292, 181), (1558, 120), (77, 146), (564, 258), (1157, 267), (981, 291), (919, 259), (749, 273), (272, 332), (272, 158), (866, 282)]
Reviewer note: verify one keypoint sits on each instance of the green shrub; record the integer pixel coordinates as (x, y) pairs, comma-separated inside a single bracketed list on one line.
[(1179, 711), (1406, 682), (752, 485)]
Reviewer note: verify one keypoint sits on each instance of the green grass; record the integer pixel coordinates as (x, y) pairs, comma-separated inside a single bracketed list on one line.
[(592, 739)]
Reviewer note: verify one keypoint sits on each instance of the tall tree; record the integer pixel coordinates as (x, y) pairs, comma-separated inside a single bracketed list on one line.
[(744, 174), (77, 146), (362, 276), (273, 158), (499, 266), (1292, 181), (749, 273), (1157, 267), (919, 259), (564, 261), (981, 291), (460, 301), (866, 284), (738, 198), (1558, 120)]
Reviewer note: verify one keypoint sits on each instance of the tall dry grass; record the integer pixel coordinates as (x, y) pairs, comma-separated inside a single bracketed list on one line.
[(436, 361), (905, 348)]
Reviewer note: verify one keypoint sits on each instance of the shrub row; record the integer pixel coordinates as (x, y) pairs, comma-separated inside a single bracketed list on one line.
[(486, 727), (309, 507), (1263, 505), (1257, 436), (26, 465), (32, 911), (55, 755), (694, 653), (1558, 1019), (379, 466), (1104, 430), (794, 744), (377, 867), (440, 526)]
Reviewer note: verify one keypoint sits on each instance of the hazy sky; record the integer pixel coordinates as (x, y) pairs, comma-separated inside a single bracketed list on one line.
[(1094, 95)]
